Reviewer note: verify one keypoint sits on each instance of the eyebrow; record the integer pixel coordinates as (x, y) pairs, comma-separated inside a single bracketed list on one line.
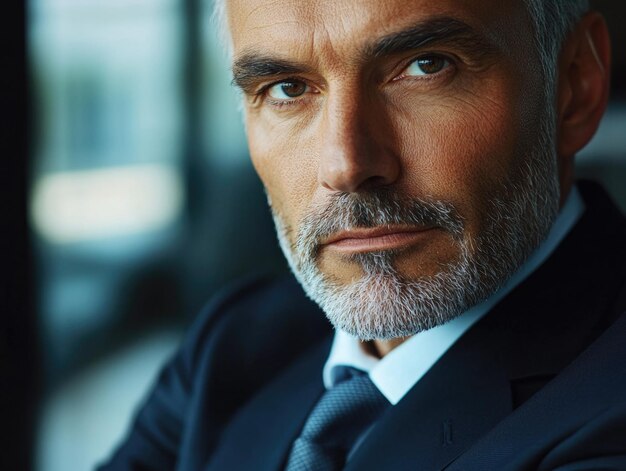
[(251, 66), (438, 30)]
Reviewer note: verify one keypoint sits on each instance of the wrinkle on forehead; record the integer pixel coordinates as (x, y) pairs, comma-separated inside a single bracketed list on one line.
[(333, 32), (254, 16), (370, 15), (307, 22)]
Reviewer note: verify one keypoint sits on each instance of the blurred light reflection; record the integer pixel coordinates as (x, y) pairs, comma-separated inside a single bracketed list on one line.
[(76, 206)]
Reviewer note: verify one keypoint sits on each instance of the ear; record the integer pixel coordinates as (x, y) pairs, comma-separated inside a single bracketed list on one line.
[(583, 85)]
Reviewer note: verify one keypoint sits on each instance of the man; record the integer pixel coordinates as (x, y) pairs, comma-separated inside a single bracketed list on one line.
[(418, 158)]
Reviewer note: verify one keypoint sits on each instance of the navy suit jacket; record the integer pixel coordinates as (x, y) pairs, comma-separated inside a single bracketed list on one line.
[(538, 383)]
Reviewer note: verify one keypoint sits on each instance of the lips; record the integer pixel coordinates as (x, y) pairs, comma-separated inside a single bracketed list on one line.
[(376, 239)]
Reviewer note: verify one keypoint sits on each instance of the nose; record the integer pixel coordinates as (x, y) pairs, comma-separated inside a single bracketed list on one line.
[(356, 145)]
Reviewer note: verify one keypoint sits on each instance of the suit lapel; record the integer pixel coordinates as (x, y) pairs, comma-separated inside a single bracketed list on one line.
[(548, 428), (261, 434), (462, 397)]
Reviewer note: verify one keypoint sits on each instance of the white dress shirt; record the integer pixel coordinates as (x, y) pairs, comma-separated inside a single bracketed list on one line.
[(396, 373)]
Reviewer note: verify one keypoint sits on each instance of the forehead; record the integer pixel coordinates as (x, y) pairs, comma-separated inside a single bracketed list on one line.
[(310, 27)]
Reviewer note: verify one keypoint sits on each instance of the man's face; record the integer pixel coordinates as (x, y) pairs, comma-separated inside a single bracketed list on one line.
[(405, 148)]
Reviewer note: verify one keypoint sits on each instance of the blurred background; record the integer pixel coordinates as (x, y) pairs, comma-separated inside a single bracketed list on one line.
[(141, 203)]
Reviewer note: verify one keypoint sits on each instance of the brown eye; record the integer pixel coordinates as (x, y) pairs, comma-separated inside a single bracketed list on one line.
[(427, 65), (287, 90)]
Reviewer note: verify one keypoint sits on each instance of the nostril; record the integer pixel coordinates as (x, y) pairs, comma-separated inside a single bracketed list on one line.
[(374, 181), (355, 180)]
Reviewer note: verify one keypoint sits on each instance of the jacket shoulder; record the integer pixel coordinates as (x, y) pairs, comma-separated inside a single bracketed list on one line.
[(244, 336), (258, 313)]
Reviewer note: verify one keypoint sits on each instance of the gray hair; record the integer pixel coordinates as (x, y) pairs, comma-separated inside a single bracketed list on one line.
[(219, 20), (552, 21)]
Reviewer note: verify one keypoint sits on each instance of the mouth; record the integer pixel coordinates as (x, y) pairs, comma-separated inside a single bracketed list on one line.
[(360, 240)]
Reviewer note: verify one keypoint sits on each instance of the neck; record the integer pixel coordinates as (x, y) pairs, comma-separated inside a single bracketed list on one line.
[(380, 348)]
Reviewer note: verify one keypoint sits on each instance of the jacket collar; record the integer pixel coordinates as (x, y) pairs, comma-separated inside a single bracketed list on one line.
[(462, 397), (569, 410)]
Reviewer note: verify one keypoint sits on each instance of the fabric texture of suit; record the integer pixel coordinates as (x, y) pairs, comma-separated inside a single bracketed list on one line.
[(538, 383)]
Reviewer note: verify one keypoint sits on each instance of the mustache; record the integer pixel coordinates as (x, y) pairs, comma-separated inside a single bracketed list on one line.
[(382, 207)]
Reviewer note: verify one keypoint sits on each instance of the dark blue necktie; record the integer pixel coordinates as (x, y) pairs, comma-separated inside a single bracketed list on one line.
[(344, 412)]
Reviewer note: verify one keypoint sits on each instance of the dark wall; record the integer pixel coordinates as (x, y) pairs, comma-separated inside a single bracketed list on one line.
[(18, 365)]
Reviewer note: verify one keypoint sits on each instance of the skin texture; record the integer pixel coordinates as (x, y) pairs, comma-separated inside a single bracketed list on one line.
[(367, 121)]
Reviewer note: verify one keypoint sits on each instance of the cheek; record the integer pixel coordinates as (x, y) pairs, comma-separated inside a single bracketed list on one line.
[(284, 166), (459, 150)]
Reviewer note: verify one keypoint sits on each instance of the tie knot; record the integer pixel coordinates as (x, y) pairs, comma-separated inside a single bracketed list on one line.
[(344, 412), (345, 409), (341, 373)]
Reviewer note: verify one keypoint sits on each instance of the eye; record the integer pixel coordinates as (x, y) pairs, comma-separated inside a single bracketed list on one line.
[(287, 90), (426, 65)]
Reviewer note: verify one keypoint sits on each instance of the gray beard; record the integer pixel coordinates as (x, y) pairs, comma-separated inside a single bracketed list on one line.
[(382, 304)]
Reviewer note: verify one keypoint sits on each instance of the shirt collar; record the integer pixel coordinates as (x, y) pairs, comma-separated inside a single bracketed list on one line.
[(397, 372)]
